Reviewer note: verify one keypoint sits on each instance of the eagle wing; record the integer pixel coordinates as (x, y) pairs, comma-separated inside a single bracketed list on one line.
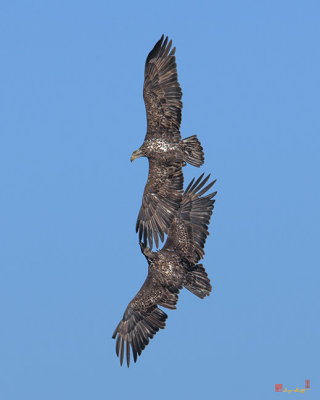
[(161, 200), (142, 319), (189, 229), (162, 93)]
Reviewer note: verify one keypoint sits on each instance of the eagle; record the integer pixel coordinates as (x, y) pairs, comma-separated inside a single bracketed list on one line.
[(163, 146), (173, 267)]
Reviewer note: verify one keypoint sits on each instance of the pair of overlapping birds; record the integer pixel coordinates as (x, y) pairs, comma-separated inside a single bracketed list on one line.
[(166, 209)]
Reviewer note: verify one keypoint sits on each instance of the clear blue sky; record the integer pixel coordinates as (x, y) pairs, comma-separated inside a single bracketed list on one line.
[(72, 113)]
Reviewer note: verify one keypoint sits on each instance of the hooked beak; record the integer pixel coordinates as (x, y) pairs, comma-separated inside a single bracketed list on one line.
[(146, 251), (142, 246), (136, 154)]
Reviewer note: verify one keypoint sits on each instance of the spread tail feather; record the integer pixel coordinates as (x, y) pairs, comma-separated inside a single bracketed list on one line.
[(193, 151), (197, 281)]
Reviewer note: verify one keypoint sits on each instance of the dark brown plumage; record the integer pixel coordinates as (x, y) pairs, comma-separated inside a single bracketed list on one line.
[(170, 269), (163, 146)]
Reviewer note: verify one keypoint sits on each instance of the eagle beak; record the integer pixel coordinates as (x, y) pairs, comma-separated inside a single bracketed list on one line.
[(146, 251), (136, 154)]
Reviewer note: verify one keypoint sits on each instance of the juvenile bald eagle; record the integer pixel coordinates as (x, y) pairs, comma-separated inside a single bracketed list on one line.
[(170, 269), (163, 146)]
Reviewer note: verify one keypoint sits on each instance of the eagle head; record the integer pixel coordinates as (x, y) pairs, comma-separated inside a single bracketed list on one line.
[(146, 251), (138, 153)]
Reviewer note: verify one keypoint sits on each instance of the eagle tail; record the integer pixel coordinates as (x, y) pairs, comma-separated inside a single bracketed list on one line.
[(193, 151), (197, 281)]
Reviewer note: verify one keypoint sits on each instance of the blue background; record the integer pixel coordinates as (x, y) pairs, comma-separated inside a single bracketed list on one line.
[(72, 113)]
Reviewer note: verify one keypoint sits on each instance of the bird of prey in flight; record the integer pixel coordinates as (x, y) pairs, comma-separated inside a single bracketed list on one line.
[(166, 151), (172, 268)]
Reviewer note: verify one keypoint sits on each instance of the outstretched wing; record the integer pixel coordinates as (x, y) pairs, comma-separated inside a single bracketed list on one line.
[(162, 93), (142, 318), (161, 200), (189, 229)]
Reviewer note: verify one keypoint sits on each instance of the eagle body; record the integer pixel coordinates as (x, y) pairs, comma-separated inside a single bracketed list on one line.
[(163, 146), (161, 149), (165, 270), (167, 267), (173, 267)]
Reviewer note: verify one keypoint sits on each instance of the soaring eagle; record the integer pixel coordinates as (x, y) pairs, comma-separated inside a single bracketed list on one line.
[(173, 267), (163, 146)]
